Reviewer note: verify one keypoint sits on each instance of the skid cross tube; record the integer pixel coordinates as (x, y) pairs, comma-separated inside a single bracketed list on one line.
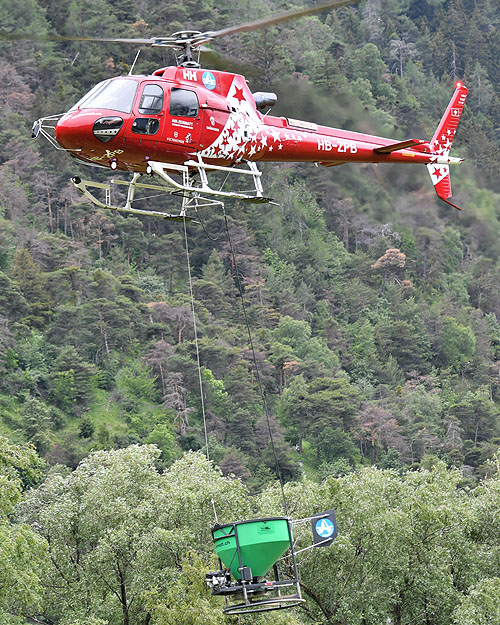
[(202, 169)]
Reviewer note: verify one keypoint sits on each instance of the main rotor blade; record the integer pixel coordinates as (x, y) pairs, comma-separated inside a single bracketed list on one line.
[(28, 36), (269, 21), (197, 39)]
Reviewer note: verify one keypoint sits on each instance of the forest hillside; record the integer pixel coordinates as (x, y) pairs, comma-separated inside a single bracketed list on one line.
[(365, 310)]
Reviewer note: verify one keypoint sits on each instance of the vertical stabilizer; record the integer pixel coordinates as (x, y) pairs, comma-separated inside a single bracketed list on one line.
[(441, 143)]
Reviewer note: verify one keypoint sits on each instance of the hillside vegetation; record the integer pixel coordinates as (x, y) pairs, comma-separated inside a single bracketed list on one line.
[(373, 309)]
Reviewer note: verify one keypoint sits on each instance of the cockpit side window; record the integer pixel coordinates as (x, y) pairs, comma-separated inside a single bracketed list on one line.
[(183, 103), (145, 125), (116, 95), (152, 100)]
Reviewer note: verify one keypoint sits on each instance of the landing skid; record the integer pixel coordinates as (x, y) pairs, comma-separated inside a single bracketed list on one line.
[(195, 193)]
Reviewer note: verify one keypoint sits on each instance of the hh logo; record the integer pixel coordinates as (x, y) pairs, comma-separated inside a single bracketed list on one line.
[(189, 74), (455, 112)]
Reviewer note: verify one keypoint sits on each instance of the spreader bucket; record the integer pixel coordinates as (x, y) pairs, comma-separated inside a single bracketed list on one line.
[(256, 544)]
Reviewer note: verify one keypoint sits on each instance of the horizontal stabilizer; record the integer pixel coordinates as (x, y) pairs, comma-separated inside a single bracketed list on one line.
[(334, 164), (403, 145)]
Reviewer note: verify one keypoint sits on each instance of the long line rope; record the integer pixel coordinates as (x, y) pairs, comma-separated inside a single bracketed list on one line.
[(186, 246), (254, 357), (257, 371)]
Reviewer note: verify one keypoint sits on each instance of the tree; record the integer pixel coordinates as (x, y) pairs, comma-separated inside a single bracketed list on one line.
[(6, 343), (401, 50), (481, 605), (292, 409), (162, 436), (12, 302), (293, 341), (136, 383), (23, 552), (158, 357), (70, 382), (177, 317), (407, 549), (379, 428), (175, 399), (422, 410), (240, 430), (277, 458), (118, 531), (35, 421), (336, 444), (457, 343), (31, 282), (363, 350), (406, 341), (389, 264), (477, 414), (332, 403)]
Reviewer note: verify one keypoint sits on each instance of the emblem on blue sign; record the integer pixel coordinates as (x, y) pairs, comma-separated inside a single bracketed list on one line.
[(324, 527), (209, 80)]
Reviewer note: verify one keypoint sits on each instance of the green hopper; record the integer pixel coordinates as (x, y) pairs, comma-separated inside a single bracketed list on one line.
[(260, 542)]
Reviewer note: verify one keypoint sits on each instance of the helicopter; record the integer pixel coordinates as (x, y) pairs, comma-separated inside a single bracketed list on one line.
[(174, 129)]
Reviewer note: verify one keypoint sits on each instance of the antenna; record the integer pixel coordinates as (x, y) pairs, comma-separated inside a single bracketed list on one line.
[(133, 64)]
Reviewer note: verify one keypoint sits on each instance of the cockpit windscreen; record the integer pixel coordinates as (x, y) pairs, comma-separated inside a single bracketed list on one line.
[(116, 95)]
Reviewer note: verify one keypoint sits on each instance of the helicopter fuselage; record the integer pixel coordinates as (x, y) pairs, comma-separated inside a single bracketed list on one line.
[(177, 114)]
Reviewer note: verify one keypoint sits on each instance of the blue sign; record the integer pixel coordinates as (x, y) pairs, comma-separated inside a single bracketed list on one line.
[(209, 80), (324, 527)]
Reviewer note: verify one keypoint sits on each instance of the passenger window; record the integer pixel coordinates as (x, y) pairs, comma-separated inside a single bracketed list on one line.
[(145, 125), (183, 103), (151, 100)]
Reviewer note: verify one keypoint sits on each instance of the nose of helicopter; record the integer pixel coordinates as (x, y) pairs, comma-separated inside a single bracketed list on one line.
[(74, 129), (68, 131)]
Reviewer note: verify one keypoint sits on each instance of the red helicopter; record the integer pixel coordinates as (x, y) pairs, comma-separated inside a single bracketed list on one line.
[(183, 123)]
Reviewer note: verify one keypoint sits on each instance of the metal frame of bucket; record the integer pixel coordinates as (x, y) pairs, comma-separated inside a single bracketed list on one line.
[(250, 587)]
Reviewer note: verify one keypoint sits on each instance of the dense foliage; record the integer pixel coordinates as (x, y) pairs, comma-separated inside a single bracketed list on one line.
[(374, 312), (118, 542)]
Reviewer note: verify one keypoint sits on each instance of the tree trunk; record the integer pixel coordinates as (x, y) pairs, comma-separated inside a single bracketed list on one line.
[(104, 333), (49, 206), (123, 597), (163, 390)]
